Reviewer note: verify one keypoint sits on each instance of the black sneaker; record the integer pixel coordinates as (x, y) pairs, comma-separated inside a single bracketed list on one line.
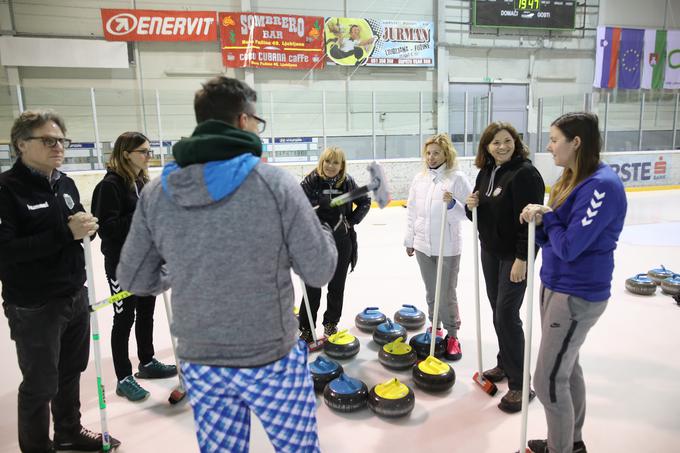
[(84, 440), (541, 446), (330, 328), (512, 401), (306, 336), (495, 374), (156, 370)]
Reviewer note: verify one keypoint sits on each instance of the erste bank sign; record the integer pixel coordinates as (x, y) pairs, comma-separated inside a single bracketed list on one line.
[(158, 25)]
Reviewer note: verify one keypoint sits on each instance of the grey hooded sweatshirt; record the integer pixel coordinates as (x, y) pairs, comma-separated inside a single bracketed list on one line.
[(229, 233)]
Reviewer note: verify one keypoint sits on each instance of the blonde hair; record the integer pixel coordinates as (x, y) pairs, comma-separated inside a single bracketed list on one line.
[(333, 153), (127, 141), (584, 125), (444, 142)]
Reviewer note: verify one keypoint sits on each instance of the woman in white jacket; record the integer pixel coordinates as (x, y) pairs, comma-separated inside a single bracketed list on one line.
[(439, 184)]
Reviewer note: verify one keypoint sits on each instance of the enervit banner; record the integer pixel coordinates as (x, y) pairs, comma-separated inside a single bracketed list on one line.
[(158, 25), (260, 40), (374, 42)]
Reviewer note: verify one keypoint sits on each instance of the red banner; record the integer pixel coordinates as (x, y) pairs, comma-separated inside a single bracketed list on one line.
[(157, 25), (271, 41)]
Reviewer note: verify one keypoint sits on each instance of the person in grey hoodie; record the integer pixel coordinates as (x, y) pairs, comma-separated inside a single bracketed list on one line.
[(228, 229)]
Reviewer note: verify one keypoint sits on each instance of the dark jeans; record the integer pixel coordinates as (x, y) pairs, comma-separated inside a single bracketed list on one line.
[(336, 288), (506, 299), (123, 319), (53, 348)]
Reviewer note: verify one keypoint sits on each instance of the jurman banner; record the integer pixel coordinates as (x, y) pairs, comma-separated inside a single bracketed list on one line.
[(672, 80), (654, 60), (607, 56), (260, 40), (630, 58), (374, 42)]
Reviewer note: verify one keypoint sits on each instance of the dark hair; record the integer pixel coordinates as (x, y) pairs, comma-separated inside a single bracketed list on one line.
[(485, 158), (127, 141), (30, 120), (223, 98), (586, 126)]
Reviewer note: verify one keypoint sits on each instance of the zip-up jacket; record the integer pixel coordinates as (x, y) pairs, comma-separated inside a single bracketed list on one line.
[(580, 236), (320, 191), (229, 229), (425, 205), (503, 192), (39, 259), (113, 203)]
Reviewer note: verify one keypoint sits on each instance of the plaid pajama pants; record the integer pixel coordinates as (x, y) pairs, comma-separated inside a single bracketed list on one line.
[(280, 394)]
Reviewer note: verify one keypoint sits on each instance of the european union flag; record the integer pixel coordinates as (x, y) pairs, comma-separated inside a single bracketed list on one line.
[(630, 58)]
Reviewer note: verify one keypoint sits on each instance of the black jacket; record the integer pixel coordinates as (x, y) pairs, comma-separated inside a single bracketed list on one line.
[(343, 218), (514, 184), (39, 259), (113, 203)]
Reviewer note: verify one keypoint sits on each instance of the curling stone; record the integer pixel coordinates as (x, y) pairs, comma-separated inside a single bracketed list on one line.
[(671, 285), (410, 317), (391, 399), (323, 371), (388, 332), (345, 394), (433, 375), (369, 319), (659, 274), (397, 355), (342, 345), (641, 284), (421, 345)]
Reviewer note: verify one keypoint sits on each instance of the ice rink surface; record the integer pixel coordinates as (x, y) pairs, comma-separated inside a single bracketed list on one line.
[(630, 359)]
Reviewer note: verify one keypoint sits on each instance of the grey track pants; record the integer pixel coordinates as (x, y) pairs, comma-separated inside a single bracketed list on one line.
[(565, 322), (448, 306)]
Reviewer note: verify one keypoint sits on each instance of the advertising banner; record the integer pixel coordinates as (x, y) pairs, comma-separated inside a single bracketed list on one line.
[(641, 170), (158, 25), (373, 42), (283, 41)]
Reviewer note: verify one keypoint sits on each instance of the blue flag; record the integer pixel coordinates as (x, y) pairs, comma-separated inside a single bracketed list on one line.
[(630, 58)]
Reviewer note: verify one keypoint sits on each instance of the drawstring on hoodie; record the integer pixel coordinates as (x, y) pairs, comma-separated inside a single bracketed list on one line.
[(489, 189)]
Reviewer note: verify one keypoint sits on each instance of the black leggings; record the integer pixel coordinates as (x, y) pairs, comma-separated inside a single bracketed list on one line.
[(123, 318), (336, 288)]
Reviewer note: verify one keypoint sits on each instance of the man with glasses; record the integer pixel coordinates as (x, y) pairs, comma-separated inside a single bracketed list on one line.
[(229, 228), (42, 269)]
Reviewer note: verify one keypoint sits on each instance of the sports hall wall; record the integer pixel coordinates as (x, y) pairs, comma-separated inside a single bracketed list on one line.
[(547, 63)]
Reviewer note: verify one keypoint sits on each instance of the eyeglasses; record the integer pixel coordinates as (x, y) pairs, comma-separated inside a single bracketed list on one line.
[(51, 142), (146, 152), (261, 124)]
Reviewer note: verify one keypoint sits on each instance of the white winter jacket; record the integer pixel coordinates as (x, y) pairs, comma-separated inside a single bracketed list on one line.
[(424, 211)]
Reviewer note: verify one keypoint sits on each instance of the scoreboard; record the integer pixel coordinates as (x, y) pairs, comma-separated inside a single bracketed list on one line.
[(548, 14)]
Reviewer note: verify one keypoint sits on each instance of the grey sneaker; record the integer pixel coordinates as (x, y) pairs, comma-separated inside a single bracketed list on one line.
[(156, 370), (130, 389), (512, 401), (330, 328)]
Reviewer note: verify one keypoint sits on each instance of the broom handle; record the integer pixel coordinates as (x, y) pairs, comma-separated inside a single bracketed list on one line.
[(531, 256), (475, 253), (168, 314), (94, 325), (308, 310), (438, 286)]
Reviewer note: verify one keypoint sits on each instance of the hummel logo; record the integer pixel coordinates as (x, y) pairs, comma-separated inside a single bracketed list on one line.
[(33, 207), (595, 203)]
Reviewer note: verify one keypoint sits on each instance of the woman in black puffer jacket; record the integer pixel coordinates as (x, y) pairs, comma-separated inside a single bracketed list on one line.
[(327, 181)]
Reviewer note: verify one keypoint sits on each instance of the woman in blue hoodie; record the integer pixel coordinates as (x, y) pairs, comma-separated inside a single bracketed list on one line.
[(114, 201), (579, 229)]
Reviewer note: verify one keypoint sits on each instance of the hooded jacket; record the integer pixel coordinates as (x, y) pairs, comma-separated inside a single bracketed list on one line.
[(425, 205), (229, 228), (504, 191)]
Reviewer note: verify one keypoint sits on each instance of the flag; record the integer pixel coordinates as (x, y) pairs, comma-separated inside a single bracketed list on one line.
[(672, 78), (630, 58), (607, 55), (653, 59)]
